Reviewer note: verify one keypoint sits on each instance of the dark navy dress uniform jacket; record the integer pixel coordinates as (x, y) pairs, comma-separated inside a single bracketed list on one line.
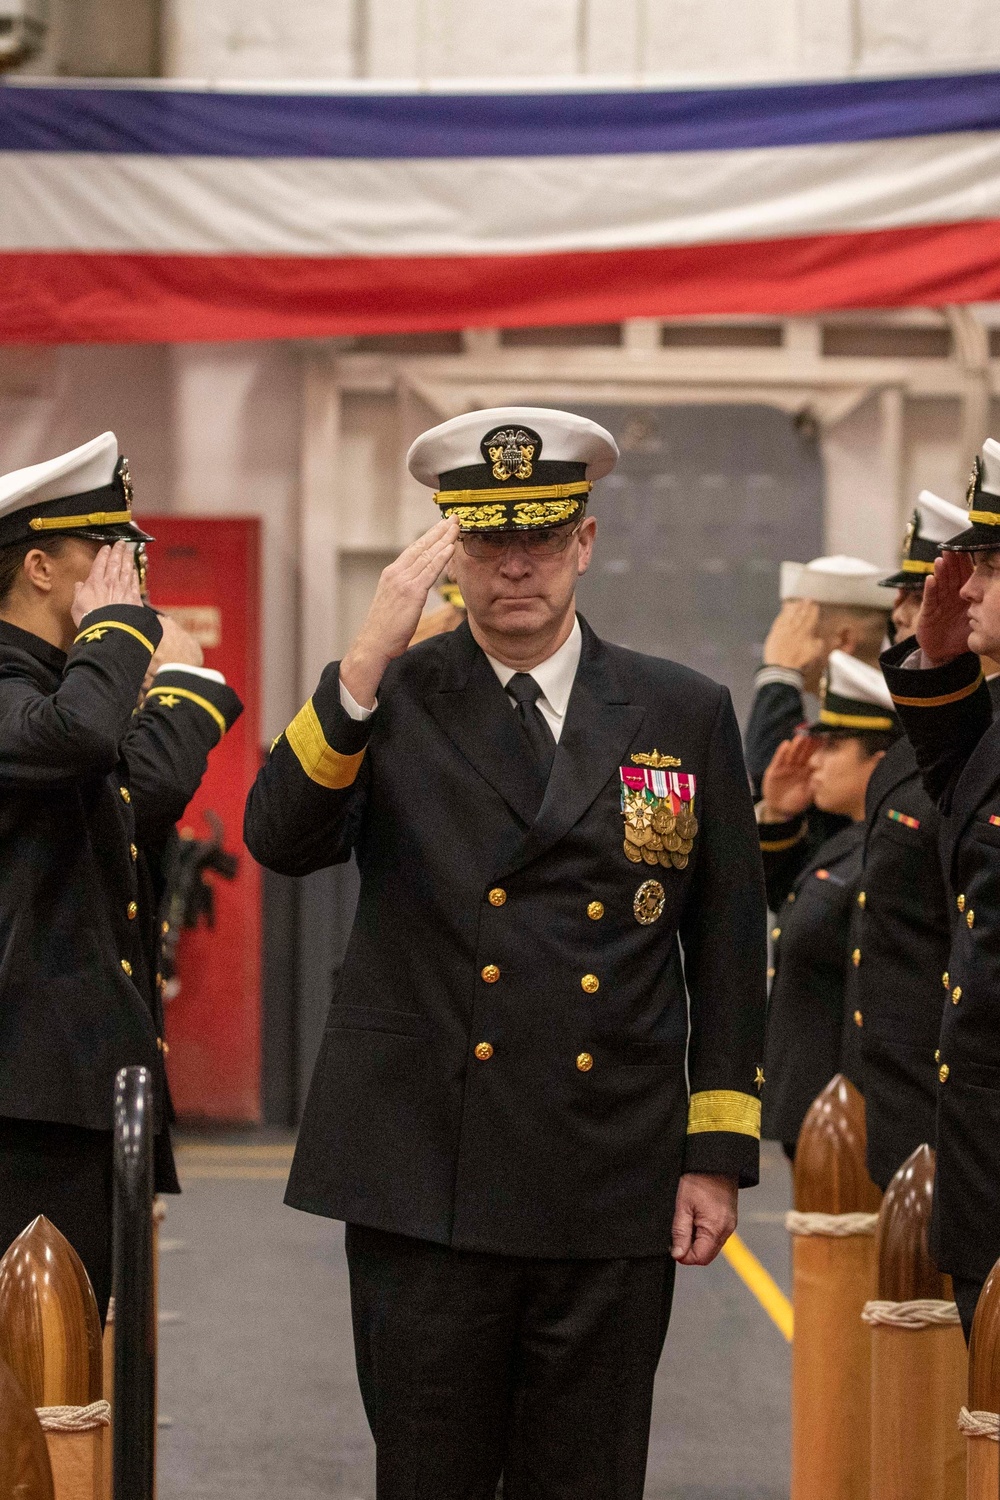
[(454, 1109), (85, 783), (948, 716)]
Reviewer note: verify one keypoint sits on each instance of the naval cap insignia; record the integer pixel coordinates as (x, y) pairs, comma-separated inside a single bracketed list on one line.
[(512, 452), (654, 759), (974, 481)]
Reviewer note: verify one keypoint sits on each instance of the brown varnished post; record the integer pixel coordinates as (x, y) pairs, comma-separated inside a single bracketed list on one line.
[(830, 1175), (918, 1373), (833, 1278), (50, 1329), (984, 1388), (25, 1473)]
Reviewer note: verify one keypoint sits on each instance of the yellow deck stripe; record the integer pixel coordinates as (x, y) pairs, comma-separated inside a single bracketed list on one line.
[(767, 1291)]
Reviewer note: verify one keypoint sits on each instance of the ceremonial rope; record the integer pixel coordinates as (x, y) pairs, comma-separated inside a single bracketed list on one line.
[(979, 1424), (834, 1226), (923, 1312), (74, 1418)]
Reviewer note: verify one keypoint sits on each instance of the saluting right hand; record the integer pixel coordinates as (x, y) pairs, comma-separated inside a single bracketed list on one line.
[(112, 580), (943, 621), (397, 606), (786, 787), (794, 641)]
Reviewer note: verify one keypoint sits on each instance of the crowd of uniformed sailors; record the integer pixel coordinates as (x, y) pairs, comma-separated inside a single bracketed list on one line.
[(878, 821)]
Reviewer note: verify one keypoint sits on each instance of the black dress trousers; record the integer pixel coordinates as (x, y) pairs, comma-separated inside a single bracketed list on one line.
[(65, 1173), (472, 1365)]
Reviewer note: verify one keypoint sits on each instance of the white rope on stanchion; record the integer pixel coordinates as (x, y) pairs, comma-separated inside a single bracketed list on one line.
[(831, 1226), (923, 1312), (74, 1418), (979, 1424)]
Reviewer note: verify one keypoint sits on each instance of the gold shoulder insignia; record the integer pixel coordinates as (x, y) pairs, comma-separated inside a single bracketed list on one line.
[(654, 759)]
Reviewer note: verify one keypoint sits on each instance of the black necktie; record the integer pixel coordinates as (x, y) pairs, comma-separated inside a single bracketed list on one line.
[(525, 691)]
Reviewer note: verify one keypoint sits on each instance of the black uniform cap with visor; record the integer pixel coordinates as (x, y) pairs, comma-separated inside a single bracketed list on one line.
[(86, 492), (513, 469), (933, 524), (983, 499)]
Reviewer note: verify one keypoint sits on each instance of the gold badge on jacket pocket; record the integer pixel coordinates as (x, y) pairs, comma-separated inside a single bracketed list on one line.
[(658, 808), (648, 902)]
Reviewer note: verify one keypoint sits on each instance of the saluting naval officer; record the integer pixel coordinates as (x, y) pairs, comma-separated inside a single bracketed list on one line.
[(86, 782), (943, 699), (813, 891), (557, 847), (901, 935)]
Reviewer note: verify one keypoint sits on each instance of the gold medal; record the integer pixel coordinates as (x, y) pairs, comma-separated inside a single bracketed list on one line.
[(655, 843), (637, 835), (664, 859), (673, 842), (650, 856), (686, 846), (664, 821), (633, 853), (679, 861)]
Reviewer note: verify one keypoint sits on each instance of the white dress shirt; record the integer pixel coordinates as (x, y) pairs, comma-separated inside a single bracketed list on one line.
[(555, 676)]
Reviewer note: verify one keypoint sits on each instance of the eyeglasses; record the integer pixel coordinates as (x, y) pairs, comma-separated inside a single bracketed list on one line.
[(547, 541)]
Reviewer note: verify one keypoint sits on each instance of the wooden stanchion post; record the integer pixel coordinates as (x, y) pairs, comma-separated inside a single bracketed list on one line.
[(25, 1472), (919, 1364), (833, 1276), (980, 1421), (50, 1336)]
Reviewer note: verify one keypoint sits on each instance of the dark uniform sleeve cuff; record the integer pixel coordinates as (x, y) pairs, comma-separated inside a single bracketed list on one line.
[(723, 1135), (216, 699), (775, 838), (929, 687), (118, 622), (328, 744)]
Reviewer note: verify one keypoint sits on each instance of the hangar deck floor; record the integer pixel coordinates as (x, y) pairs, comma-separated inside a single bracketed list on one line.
[(256, 1365)]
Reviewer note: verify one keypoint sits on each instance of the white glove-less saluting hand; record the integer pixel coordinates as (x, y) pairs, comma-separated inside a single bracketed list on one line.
[(398, 604), (112, 580)]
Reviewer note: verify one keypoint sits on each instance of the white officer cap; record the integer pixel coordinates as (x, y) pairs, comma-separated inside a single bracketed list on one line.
[(934, 522), (513, 467), (835, 580), (983, 500), (86, 492), (854, 695)]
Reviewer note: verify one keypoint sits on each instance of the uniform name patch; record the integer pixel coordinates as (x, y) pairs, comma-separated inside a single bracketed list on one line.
[(905, 819)]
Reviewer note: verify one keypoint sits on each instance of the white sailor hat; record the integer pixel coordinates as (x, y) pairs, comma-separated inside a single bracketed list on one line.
[(983, 500), (513, 467), (87, 492), (854, 697), (934, 522), (835, 580)]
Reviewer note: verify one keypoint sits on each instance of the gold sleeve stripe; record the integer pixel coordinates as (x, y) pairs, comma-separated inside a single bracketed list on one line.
[(179, 692), (724, 1109), (912, 565), (321, 763), (778, 846), (941, 702), (67, 523), (985, 517), (91, 633)]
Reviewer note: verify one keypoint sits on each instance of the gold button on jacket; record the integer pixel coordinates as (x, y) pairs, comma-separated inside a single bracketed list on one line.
[(862, 898), (956, 994), (856, 957), (497, 896), (491, 973), (859, 1019), (132, 911), (960, 902), (585, 1062), (595, 911), (943, 1072), (127, 967), (125, 793), (484, 1051), (590, 983)]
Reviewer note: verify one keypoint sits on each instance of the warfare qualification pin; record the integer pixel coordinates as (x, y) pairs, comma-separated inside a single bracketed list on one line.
[(648, 903)]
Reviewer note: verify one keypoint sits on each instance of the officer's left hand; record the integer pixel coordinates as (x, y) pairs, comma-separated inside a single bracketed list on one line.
[(704, 1217)]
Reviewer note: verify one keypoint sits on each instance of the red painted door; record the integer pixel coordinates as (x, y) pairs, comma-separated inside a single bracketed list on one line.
[(206, 572)]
